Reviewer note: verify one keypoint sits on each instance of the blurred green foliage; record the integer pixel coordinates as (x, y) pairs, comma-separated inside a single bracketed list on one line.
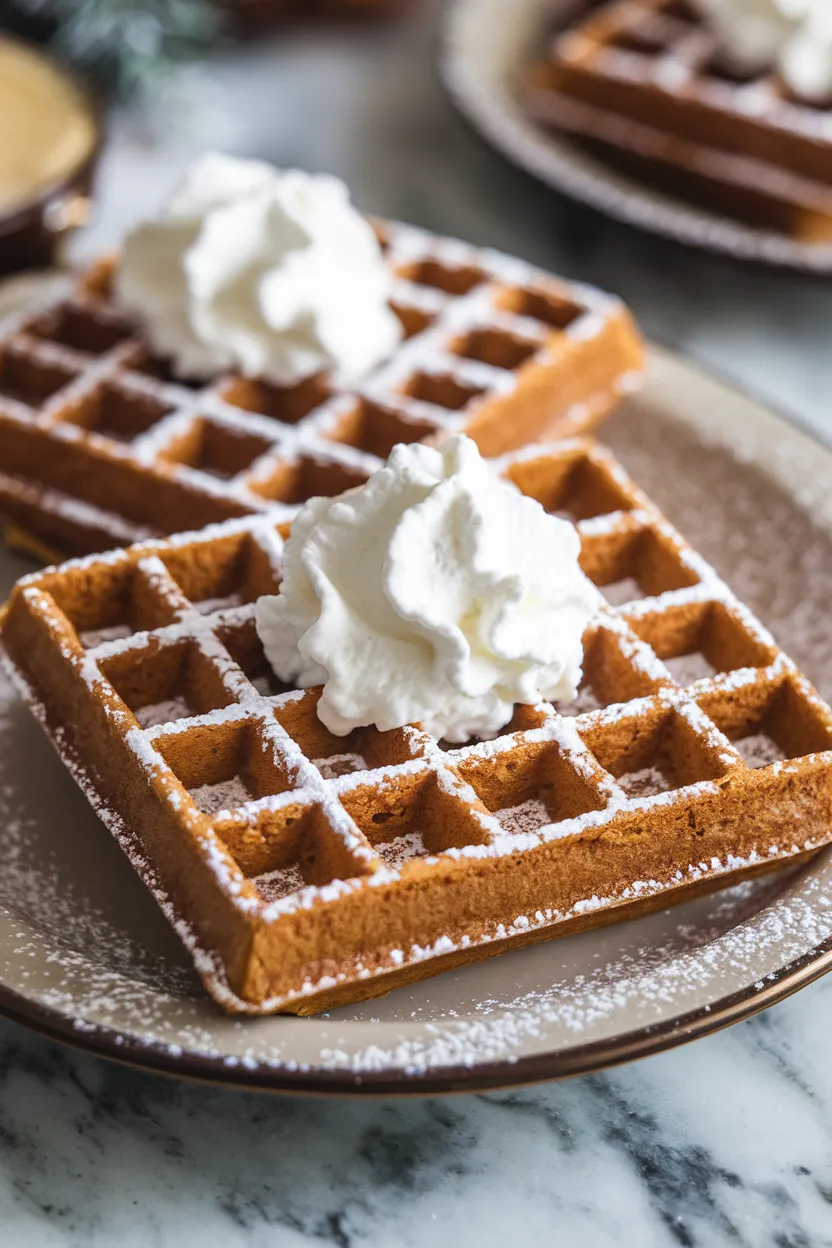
[(126, 47)]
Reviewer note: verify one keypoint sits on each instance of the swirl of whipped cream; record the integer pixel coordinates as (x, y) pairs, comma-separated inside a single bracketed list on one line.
[(792, 36), (269, 272), (436, 594)]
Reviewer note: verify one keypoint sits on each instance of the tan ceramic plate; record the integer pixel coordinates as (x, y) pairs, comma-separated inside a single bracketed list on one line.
[(86, 956), (486, 45)]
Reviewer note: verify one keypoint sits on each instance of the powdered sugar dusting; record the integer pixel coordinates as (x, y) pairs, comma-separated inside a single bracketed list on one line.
[(211, 606), (90, 638), (340, 765), (645, 782), (226, 795), (274, 885), (617, 593), (584, 702), (167, 712), (527, 817), (395, 852), (686, 669), (759, 750)]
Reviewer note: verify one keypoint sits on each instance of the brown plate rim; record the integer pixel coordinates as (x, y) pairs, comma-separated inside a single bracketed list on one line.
[(488, 1076)]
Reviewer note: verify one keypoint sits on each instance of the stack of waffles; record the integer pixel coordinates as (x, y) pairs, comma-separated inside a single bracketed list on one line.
[(305, 870), (101, 446), (643, 82)]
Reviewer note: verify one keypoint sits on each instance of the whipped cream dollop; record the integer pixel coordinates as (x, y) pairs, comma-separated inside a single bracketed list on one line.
[(437, 594), (270, 272), (792, 36)]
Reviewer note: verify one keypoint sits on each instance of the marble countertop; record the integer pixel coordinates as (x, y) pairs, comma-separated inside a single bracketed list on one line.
[(727, 1141)]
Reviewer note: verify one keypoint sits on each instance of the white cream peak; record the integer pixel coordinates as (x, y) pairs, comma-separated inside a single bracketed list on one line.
[(272, 273), (436, 593), (793, 37)]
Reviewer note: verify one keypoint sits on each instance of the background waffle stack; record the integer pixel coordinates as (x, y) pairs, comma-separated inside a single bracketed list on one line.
[(99, 445), (305, 869), (643, 82)]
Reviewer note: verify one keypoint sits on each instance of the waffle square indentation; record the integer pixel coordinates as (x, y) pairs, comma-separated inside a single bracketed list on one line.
[(80, 329), (655, 751), (495, 347), (545, 305), (615, 670), (578, 488), (226, 763), (441, 390), (286, 404), (700, 639), (411, 815), (215, 448), (635, 563), (376, 428), (109, 601), (770, 721), (162, 683), (30, 380), (362, 749), (116, 412), (529, 785), (451, 278), (246, 649), (308, 476), (221, 573)]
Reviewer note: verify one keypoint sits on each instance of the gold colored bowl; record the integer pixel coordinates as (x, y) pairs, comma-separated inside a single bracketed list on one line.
[(49, 141)]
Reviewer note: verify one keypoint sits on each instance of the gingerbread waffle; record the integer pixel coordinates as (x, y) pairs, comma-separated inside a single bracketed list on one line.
[(305, 870), (100, 446), (643, 83)]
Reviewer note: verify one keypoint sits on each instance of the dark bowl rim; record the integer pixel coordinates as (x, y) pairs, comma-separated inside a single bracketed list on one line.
[(23, 215)]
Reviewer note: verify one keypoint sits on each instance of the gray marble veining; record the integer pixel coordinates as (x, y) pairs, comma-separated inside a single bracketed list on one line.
[(726, 1142)]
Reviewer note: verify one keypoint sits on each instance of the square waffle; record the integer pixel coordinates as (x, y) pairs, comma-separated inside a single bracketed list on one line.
[(643, 83), (306, 870), (99, 446)]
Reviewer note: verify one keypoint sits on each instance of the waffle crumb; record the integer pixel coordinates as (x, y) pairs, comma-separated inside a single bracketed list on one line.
[(759, 750), (645, 782), (527, 817), (223, 796), (273, 885), (92, 637), (686, 669), (168, 712), (617, 593), (397, 851), (336, 765)]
